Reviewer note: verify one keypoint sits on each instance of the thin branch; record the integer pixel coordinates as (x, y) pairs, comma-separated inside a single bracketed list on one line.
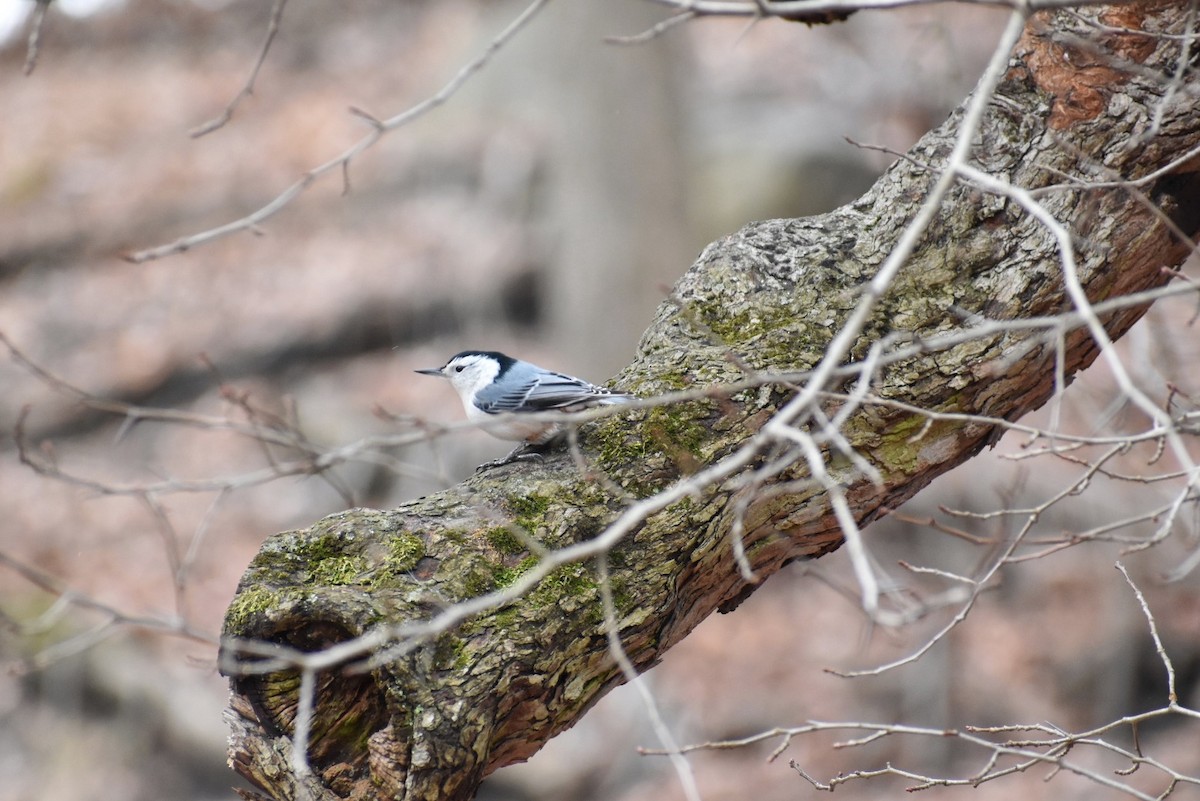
[(248, 88), (341, 161), (1052, 750), (793, 8), (305, 703), (687, 779), (35, 35), (114, 618), (1172, 696), (654, 31)]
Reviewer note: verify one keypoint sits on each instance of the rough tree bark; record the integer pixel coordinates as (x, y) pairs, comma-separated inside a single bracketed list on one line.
[(430, 718)]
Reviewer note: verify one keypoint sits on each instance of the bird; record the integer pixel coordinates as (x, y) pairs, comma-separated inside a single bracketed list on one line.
[(490, 383)]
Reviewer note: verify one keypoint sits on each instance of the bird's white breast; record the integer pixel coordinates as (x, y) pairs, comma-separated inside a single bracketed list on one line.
[(509, 426)]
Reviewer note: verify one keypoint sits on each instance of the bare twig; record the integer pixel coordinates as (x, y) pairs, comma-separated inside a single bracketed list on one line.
[(340, 162), (654, 31), (1172, 696), (113, 620), (35, 35), (248, 88), (612, 629)]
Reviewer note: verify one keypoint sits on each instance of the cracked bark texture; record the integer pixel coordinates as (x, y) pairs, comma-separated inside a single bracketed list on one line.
[(437, 716)]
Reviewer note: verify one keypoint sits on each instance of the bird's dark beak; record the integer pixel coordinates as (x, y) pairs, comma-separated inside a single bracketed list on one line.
[(430, 371)]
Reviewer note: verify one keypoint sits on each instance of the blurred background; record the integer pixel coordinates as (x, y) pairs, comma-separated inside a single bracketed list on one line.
[(544, 210)]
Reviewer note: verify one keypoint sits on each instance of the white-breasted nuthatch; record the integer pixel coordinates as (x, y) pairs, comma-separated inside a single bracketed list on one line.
[(490, 383)]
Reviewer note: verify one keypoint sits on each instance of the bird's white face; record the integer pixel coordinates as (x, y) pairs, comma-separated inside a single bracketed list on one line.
[(468, 374)]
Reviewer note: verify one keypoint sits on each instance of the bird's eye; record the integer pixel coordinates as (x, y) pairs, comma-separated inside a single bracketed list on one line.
[(458, 368)]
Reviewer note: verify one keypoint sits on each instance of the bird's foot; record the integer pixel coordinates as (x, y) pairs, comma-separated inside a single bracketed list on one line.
[(521, 453)]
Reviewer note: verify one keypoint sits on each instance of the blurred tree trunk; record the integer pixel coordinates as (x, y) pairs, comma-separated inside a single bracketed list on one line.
[(619, 206), (615, 200), (439, 710)]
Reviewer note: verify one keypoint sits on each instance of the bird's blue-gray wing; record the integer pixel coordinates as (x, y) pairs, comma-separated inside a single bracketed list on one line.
[(541, 392)]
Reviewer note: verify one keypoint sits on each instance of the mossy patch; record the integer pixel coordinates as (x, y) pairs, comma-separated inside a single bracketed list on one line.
[(505, 576), (449, 652), (248, 605), (404, 551), (320, 555), (667, 441), (901, 446), (529, 510), (623, 599), (767, 336), (677, 430), (455, 535), (503, 618), (305, 549), (569, 581), (338, 570), (478, 582), (504, 540)]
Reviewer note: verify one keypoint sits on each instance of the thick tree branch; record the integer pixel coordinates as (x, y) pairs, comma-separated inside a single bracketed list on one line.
[(456, 634)]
